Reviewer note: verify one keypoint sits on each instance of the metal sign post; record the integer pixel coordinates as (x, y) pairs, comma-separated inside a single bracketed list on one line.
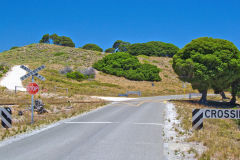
[(32, 73)]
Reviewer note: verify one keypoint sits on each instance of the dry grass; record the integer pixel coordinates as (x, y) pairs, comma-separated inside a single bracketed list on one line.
[(170, 84), (57, 57), (56, 112), (221, 137)]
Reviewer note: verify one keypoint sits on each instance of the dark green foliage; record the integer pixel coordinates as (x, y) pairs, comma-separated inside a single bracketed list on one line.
[(92, 47), (45, 39), (66, 41), (153, 48), (125, 65), (58, 40), (14, 47), (121, 46), (3, 69), (76, 75), (55, 38), (110, 50), (208, 63), (59, 53)]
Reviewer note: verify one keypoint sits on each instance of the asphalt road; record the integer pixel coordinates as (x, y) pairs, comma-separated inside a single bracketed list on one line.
[(129, 130)]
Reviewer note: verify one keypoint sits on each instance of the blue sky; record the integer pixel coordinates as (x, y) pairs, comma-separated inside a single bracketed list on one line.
[(102, 22)]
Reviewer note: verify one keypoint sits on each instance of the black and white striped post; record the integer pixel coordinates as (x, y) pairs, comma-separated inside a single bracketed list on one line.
[(6, 117), (197, 119)]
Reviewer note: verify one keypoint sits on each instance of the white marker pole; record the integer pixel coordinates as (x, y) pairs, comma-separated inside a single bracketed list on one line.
[(32, 101)]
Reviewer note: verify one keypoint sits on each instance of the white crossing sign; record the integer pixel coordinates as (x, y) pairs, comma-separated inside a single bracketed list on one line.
[(199, 114), (32, 73)]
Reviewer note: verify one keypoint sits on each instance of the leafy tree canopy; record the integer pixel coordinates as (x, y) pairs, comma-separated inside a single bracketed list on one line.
[(208, 63), (125, 65), (153, 48), (92, 47), (58, 40), (121, 46), (110, 50), (14, 47), (45, 39)]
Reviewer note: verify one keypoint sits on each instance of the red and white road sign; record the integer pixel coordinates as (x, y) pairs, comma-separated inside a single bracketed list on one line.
[(32, 88)]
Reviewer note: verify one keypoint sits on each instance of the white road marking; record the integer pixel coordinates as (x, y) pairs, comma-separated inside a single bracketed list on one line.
[(90, 122), (153, 124)]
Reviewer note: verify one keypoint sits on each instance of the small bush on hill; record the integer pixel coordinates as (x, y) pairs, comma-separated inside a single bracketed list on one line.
[(14, 47), (66, 70), (76, 75), (110, 50), (153, 48), (3, 69), (59, 53), (92, 47), (125, 65), (90, 72)]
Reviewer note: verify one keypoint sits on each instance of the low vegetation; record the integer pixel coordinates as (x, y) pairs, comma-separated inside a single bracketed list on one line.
[(124, 65), (57, 109), (92, 47), (3, 69), (60, 60), (153, 48), (220, 136)]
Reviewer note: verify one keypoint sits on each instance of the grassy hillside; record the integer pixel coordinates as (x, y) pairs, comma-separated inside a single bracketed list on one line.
[(57, 57)]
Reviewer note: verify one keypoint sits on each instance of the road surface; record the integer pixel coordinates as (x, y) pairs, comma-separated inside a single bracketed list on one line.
[(130, 130)]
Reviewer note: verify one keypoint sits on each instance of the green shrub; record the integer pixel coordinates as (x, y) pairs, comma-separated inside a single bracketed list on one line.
[(14, 47), (76, 75), (110, 50), (3, 69), (153, 48), (59, 53), (92, 47), (125, 65)]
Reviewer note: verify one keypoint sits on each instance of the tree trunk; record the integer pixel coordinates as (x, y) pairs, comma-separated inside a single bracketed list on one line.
[(234, 93), (233, 100), (203, 99), (223, 95)]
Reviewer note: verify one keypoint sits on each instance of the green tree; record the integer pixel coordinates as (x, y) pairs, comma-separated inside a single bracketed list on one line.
[(92, 47), (153, 48), (208, 63), (61, 40), (66, 41), (55, 38), (14, 47), (110, 50), (45, 39), (121, 46)]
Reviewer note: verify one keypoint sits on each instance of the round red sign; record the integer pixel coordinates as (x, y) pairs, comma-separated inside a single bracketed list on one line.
[(32, 88)]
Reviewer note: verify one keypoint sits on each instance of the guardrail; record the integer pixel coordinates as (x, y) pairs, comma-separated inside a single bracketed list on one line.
[(194, 94), (134, 92)]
